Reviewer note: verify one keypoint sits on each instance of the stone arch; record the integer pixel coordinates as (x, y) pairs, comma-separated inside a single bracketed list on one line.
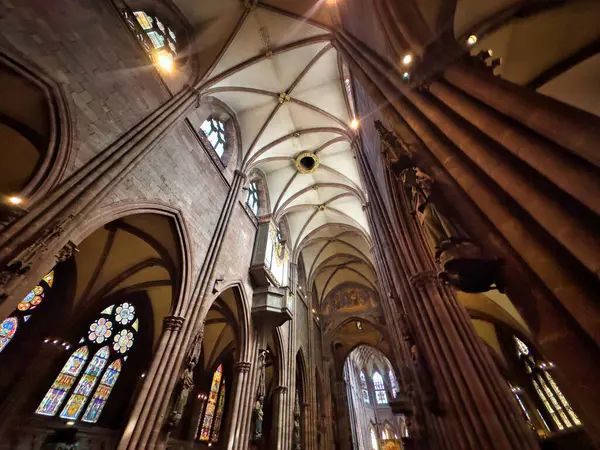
[(213, 107), (264, 203), (110, 213), (49, 134), (244, 320)]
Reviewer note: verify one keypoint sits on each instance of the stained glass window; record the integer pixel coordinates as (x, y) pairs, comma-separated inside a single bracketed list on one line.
[(393, 383), (8, 328), (156, 38), (219, 415), (110, 336), (252, 197), (214, 404), (109, 379), (86, 384), (214, 130), (63, 383), (380, 394), (363, 387), (554, 401), (22, 314)]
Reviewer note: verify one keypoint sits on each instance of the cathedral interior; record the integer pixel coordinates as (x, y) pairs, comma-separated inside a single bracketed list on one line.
[(300, 224)]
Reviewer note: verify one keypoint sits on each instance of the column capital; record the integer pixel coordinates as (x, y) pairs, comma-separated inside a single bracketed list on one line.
[(173, 323), (424, 278), (239, 173), (243, 366)]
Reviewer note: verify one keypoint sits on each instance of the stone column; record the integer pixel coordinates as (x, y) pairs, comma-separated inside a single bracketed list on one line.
[(235, 430), (30, 245), (472, 390), (561, 339), (41, 363), (344, 430), (145, 428), (280, 402), (155, 381), (569, 127)]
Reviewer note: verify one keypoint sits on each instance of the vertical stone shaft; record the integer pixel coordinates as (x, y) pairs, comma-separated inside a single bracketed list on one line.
[(569, 173), (580, 240), (145, 424), (567, 342), (571, 128), (486, 414)]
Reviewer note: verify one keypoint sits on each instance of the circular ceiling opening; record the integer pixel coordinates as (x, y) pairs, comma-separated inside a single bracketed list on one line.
[(307, 162)]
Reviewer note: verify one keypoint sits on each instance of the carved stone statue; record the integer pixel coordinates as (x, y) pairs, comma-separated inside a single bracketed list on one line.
[(186, 384), (297, 441), (260, 415), (437, 227)]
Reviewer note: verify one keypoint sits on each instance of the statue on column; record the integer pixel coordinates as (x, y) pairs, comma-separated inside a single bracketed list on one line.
[(463, 263), (259, 414), (297, 440), (186, 384)]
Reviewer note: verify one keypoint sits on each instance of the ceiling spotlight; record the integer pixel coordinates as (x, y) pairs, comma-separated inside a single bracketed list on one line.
[(406, 75), (15, 200), (354, 124), (407, 59), (472, 40)]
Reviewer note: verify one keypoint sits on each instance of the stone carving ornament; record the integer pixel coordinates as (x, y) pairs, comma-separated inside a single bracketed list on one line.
[(186, 384), (463, 263)]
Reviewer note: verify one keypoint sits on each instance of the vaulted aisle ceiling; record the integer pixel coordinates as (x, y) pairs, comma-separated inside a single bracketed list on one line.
[(285, 82)]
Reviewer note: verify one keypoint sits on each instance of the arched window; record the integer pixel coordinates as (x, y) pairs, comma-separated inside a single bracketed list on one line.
[(363, 388), (252, 197), (210, 425), (109, 338), (214, 130), (546, 388), (22, 314), (159, 41), (380, 394), (393, 383), (374, 442)]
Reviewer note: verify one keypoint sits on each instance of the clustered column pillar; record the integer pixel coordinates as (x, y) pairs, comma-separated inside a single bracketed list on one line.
[(145, 428), (475, 402), (422, 119)]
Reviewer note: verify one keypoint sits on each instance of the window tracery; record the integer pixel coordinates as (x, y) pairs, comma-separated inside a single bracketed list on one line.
[(214, 130), (380, 394), (111, 336), (10, 325), (159, 40), (252, 199), (363, 387), (549, 393)]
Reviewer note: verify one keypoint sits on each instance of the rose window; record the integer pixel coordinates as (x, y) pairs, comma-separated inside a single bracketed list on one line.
[(100, 330)]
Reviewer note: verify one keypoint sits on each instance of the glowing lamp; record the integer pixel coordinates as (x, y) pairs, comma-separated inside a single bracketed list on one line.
[(472, 40), (15, 200), (407, 59), (354, 124), (164, 60)]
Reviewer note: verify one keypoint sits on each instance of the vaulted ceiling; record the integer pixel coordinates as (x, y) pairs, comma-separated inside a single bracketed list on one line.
[(287, 86)]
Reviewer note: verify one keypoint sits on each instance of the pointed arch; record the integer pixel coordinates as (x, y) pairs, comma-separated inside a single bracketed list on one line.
[(56, 154)]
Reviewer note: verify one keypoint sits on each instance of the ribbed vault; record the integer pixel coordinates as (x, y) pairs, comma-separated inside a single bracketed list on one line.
[(285, 82)]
